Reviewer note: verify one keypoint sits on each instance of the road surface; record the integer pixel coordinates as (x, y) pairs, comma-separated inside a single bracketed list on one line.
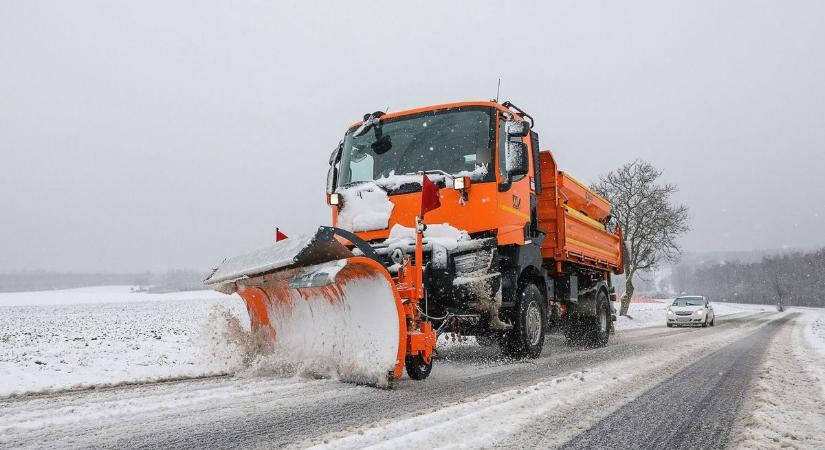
[(652, 387)]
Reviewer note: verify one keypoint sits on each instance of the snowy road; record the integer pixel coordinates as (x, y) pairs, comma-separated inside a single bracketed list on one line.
[(474, 398), (701, 401)]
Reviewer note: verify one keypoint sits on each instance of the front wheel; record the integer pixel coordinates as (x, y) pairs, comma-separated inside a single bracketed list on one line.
[(486, 341), (526, 339), (417, 369), (713, 321)]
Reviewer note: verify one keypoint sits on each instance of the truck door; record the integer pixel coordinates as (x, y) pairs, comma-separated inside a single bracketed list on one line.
[(516, 199)]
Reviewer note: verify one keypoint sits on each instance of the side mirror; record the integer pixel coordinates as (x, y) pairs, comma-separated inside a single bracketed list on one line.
[(332, 174), (517, 129), (516, 159), (336, 154)]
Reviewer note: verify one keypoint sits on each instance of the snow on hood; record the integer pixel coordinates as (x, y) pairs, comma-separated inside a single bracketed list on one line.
[(393, 181), (366, 208), (443, 234)]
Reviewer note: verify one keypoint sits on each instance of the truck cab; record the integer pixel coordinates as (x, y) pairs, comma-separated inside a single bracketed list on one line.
[(487, 244)]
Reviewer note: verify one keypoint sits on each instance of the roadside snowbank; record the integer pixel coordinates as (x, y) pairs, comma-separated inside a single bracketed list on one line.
[(786, 407), (80, 338), (810, 345)]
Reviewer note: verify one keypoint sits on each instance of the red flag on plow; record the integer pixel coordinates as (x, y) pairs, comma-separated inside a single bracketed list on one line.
[(430, 199), (279, 236)]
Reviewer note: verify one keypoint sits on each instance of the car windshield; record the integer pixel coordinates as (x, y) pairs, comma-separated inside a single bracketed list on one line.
[(689, 301), (458, 141)]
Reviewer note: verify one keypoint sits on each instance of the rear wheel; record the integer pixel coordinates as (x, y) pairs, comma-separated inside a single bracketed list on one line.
[(526, 339), (599, 331), (417, 369)]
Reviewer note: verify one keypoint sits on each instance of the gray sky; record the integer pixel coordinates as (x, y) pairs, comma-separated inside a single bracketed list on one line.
[(152, 135)]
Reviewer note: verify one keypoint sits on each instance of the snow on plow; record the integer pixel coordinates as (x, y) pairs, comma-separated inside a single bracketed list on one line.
[(320, 307)]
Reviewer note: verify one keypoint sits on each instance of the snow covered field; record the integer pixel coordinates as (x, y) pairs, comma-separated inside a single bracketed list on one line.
[(75, 338)]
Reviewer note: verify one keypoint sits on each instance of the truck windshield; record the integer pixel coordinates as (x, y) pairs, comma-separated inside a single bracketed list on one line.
[(458, 141)]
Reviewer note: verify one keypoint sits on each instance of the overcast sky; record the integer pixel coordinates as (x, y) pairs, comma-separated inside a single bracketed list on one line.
[(148, 135)]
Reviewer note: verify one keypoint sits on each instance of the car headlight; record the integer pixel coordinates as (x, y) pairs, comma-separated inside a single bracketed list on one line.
[(700, 311), (669, 312)]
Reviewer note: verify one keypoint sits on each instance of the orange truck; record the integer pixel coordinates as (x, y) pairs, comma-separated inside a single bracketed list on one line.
[(513, 243)]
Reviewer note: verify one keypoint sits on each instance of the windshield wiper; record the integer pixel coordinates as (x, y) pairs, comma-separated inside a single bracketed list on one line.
[(436, 171), (357, 183)]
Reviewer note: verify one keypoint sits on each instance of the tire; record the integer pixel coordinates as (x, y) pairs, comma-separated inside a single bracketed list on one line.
[(705, 323), (599, 332), (713, 321), (526, 338), (670, 325), (417, 369), (588, 330), (486, 341)]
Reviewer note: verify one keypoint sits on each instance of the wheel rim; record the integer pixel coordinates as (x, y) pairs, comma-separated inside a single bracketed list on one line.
[(533, 323), (603, 321)]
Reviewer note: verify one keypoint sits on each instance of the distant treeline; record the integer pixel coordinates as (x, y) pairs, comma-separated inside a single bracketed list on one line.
[(171, 281), (795, 279)]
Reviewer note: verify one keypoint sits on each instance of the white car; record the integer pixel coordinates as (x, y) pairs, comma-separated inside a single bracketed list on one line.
[(692, 310)]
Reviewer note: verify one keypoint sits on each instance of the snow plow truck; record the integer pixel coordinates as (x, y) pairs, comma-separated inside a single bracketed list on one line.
[(446, 218)]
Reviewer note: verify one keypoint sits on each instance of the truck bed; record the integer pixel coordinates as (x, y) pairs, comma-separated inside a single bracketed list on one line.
[(570, 213)]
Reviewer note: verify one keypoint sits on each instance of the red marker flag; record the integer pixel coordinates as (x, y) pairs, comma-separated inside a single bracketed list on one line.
[(279, 236), (430, 199)]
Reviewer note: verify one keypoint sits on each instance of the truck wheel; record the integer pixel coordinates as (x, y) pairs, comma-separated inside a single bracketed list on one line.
[(486, 341), (417, 369), (526, 339), (599, 326)]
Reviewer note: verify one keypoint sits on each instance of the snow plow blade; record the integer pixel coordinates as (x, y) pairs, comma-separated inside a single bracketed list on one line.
[(320, 308)]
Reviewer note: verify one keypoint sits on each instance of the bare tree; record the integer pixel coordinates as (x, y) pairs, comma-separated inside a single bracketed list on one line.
[(650, 221)]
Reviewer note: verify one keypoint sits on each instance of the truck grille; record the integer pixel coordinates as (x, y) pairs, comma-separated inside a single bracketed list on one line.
[(472, 262)]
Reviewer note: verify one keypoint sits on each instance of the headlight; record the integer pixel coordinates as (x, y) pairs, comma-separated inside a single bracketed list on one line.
[(669, 312), (458, 183), (700, 311)]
